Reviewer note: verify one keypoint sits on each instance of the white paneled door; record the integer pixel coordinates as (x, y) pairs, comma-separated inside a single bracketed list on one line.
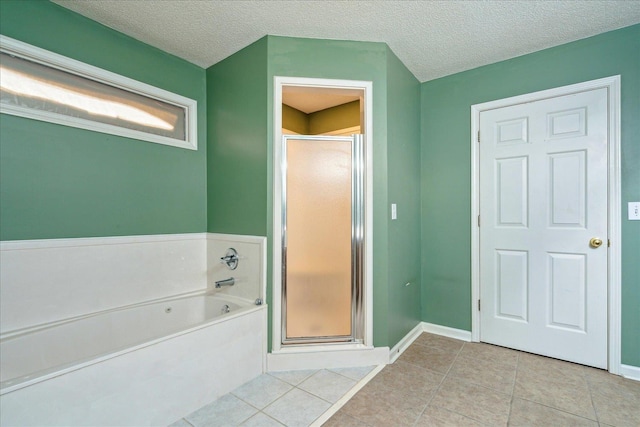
[(543, 227)]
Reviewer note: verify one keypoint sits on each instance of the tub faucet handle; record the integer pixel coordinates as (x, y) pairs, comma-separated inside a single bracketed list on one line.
[(230, 259)]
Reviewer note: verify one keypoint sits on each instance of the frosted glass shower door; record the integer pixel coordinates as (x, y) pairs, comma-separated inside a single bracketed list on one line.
[(321, 196)]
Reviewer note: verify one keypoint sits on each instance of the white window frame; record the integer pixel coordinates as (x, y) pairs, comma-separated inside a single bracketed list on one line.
[(53, 60)]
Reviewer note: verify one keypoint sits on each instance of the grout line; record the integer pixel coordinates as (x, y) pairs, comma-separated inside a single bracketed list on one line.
[(433, 395), (352, 379), (595, 409), (312, 393), (513, 387), (560, 410), (346, 397), (315, 371), (265, 414), (250, 404)]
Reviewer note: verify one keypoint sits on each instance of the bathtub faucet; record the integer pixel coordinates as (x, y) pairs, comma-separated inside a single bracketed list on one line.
[(226, 282)]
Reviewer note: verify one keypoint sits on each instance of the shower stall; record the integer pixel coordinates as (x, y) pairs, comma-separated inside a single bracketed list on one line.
[(322, 216)]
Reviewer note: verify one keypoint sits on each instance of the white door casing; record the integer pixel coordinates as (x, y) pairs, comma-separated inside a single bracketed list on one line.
[(541, 187), (366, 87)]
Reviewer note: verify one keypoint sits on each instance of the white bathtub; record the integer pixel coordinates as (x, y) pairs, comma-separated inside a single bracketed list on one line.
[(147, 364)]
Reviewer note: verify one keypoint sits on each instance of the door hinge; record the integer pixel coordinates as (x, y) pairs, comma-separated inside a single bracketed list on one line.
[(478, 305), (478, 136), (478, 220), (608, 243)]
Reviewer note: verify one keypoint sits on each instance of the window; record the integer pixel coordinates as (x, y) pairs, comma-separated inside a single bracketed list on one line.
[(41, 85)]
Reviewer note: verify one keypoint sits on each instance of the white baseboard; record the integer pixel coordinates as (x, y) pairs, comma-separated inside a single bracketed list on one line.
[(408, 339), (404, 343), (630, 372), (446, 331), (289, 361)]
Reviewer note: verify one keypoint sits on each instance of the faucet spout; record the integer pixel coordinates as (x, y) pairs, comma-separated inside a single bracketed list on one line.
[(226, 282)]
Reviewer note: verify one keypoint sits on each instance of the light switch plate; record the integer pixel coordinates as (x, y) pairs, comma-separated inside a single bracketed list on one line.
[(394, 211), (634, 211)]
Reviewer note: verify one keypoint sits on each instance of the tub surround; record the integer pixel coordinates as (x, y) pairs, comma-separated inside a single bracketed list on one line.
[(43, 281), (250, 274)]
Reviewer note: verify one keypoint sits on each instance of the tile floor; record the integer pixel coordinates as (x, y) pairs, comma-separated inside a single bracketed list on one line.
[(292, 398), (437, 381)]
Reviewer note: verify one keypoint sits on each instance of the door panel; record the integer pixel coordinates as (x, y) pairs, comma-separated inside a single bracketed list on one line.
[(568, 189), (512, 189), (568, 289), (543, 196), (513, 283)]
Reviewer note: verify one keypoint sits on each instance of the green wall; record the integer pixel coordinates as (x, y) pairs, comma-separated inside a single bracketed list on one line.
[(351, 61), (348, 60), (57, 181), (240, 95), (446, 159), (403, 165), (237, 144)]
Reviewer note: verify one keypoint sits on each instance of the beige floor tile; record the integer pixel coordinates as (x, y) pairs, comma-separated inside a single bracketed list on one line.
[(494, 374), (482, 351), (439, 341), (396, 396), (473, 401), (433, 358), (613, 385), (439, 417), (342, 419), (548, 367), (616, 399), (420, 382), (383, 407), (569, 393), (531, 414)]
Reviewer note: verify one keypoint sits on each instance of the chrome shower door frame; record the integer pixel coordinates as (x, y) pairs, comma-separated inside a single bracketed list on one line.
[(358, 171)]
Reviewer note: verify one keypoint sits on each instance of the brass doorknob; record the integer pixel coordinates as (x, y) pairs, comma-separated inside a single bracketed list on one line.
[(595, 242)]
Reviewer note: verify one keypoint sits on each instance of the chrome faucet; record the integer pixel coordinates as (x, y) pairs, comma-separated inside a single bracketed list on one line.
[(226, 282)]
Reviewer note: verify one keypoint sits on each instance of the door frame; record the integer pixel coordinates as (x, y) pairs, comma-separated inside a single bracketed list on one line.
[(367, 113), (612, 84)]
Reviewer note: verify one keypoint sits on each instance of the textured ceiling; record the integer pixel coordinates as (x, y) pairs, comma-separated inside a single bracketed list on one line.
[(432, 38)]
